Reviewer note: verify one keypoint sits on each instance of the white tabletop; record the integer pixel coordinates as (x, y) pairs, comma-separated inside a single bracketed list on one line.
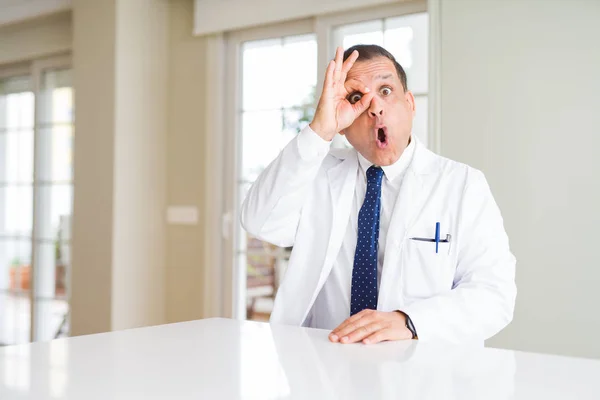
[(227, 359)]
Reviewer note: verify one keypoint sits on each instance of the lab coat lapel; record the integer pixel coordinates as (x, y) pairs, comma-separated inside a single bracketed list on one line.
[(342, 181)]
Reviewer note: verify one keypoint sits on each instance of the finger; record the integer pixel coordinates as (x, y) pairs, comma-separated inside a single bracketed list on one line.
[(338, 64), (354, 85), (351, 320), (329, 75), (349, 63), (358, 320), (334, 336), (362, 332), (363, 104), (379, 336)]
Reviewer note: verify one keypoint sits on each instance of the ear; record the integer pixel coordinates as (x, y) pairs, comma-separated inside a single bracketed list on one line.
[(410, 98)]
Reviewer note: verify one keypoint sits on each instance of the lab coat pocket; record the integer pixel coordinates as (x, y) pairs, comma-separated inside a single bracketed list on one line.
[(425, 272)]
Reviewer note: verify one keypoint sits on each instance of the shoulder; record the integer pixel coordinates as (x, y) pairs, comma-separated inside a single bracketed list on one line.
[(427, 162), (336, 156)]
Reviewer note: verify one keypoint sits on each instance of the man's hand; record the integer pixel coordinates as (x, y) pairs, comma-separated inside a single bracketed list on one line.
[(334, 112), (370, 326)]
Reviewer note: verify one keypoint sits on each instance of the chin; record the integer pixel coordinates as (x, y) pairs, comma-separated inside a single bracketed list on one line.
[(384, 159)]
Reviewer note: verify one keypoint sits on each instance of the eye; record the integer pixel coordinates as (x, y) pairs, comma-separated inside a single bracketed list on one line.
[(355, 97), (386, 91)]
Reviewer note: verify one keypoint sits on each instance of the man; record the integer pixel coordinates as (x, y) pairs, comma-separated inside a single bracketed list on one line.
[(390, 241)]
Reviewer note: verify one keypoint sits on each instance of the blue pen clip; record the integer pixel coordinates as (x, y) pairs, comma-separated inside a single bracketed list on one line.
[(437, 236)]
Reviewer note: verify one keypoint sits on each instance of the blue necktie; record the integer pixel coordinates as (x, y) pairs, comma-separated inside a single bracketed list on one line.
[(364, 273)]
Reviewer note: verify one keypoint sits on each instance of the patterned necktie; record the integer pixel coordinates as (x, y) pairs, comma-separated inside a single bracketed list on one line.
[(364, 273)]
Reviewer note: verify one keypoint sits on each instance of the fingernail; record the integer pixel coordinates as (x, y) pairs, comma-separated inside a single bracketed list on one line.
[(334, 337), (366, 341), (345, 339)]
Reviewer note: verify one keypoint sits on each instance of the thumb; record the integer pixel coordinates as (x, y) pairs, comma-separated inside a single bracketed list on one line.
[(363, 104)]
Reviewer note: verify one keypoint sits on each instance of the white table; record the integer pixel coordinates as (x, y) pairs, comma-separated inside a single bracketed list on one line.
[(227, 359)]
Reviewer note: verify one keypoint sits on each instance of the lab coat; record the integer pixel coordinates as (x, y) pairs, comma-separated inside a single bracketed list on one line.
[(464, 293)]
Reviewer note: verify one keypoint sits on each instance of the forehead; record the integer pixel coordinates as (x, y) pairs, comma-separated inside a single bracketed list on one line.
[(374, 69)]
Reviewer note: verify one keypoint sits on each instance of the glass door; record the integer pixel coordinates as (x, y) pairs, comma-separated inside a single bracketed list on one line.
[(36, 187)]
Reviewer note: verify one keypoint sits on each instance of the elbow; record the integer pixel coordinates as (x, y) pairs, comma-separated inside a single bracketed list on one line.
[(248, 221), (504, 311)]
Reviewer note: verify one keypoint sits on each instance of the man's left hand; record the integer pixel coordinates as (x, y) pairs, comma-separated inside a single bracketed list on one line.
[(370, 326)]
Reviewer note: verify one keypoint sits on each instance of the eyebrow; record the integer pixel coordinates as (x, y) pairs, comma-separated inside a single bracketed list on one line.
[(383, 77)]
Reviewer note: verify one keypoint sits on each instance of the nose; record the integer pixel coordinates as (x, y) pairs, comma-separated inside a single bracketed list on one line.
[(375, 108)]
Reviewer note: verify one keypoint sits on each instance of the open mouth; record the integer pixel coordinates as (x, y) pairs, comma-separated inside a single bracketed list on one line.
[(382, 137)]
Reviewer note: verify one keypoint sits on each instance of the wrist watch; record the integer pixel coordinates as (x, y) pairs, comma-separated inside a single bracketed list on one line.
[(411, 327)]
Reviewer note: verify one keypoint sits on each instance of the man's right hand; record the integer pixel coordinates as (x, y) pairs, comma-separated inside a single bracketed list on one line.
[(334, 111)]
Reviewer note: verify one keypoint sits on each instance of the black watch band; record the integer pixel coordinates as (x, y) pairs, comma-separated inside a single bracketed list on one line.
[(411, 327)]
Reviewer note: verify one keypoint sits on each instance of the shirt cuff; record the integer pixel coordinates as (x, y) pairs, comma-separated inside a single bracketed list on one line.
[(311, 146)]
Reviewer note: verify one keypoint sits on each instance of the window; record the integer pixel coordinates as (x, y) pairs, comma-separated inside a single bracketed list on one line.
[(278, 88), (275, 76), (36, 136), (16, 207)]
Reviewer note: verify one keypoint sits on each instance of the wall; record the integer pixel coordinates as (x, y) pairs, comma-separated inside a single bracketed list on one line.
[(36, 38), (141, 110), (94, 38), (520, 100), (14, 11), (211, 16), (186, 152), (120, 59)]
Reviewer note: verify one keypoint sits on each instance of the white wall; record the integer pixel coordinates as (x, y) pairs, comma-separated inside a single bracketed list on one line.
[(520, 98)]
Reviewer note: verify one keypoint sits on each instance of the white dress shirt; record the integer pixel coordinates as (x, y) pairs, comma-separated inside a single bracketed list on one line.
[(332, 305)]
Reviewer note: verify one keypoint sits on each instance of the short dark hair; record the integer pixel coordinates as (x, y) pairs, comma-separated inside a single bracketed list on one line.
[(370, 51)]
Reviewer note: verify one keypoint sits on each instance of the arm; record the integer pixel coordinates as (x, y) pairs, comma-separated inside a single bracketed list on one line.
[(272, 208), (482, 300)]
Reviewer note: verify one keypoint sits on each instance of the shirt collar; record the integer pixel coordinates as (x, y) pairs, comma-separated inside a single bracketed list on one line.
[(391, 172)]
